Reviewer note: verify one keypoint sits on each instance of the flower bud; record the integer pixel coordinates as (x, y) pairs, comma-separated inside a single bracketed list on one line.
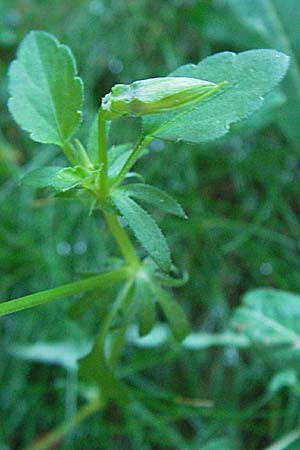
[(155, 95)]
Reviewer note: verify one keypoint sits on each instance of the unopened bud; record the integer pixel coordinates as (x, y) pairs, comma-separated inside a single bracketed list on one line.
[(155, 95)]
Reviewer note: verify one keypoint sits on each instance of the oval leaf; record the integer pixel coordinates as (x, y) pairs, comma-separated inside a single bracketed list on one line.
[(174, 313), (46, 95), (146, 310), (250, 76)]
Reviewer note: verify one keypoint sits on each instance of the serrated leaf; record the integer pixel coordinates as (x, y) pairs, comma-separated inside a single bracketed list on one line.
[(145, 229), (267, 24), (143, 298), (250, 76), (154, 196), (174, 313), (46, 95), (270, 318)]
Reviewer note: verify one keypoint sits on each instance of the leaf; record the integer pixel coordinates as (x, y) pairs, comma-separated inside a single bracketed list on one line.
[(166, 280), (145, 229), (58, 178), (174, 313), (268, 24), (42, 177), (46, 95), (198, 340), (285, 378), (250, 75), (81, 305), (69, 178), (270, 318), (154, 196), (145, 304), (117, 156), (156, 338), (65, 354)]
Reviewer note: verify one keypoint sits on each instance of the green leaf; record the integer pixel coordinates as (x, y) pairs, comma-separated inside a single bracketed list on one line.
[(42, 177), (155, 197), (200, 340), (286, 378), (69, 178), (59, 178), (267, 24), (174, 313), (166, 280), (271, 319), (250, 76), (145, 229), (117, 156), (144, 299), (65, 353), (46, 95)]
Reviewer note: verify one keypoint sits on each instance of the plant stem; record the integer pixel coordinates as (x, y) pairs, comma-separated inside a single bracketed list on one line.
[(51, 438), (39, 298), (132, 159), (122, 240), (102, 154), (68, 150)]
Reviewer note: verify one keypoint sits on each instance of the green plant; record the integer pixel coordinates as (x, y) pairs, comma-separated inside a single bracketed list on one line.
[(46, 98)]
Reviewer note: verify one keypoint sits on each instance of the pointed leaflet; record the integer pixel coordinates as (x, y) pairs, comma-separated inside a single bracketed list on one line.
[(250, 75), (46, 95), (145, 229), (174, 313), (145, 304), (154, 196)]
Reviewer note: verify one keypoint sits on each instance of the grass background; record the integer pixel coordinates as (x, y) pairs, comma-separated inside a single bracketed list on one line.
[(242, 198)]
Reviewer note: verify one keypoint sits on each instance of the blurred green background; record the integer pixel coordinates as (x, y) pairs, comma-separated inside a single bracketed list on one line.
[(241, 194)]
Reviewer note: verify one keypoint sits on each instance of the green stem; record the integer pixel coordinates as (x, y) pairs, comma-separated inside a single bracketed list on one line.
[(132, 159), (69, 152), (51, 438), (102, 154), (122, 240), (60, 292)]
